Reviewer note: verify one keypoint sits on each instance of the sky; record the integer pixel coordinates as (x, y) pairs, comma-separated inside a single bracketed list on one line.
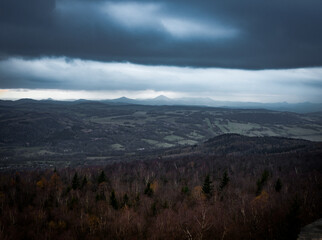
[(250, 50)]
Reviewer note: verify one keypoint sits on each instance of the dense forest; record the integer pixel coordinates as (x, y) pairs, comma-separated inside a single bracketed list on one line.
[(260, 194)]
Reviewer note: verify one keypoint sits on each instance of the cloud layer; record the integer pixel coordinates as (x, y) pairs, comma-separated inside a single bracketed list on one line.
[(293, 85), (248, 34), (249, 50)]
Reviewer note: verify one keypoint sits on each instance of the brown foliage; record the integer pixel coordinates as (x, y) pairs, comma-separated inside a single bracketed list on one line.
[(42, 205)]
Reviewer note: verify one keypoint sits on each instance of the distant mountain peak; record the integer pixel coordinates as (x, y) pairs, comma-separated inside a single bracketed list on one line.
[(162, 97), (122, 98)]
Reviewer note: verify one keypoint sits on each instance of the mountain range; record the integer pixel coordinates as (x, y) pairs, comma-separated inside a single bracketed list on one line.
[(304, 107)]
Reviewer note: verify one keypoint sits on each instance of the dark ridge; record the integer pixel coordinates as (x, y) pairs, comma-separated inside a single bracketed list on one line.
[(237, 137), (244, 145)]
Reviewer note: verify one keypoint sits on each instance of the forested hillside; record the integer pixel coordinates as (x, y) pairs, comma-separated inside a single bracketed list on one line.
[(231, 187)]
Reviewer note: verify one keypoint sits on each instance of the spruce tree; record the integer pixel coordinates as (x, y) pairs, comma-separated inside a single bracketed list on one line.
[(148, 190), (278, 185), (75, 181), (224, 181), (102, 177), (185, 190), (261, 182), (207, 187), (113, 200), (84, 182), (125, 200)]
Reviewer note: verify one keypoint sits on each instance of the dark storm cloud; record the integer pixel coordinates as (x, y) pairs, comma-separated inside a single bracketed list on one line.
[(248, 34)]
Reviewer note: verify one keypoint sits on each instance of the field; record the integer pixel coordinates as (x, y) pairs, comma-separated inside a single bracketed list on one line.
[(50, 133)]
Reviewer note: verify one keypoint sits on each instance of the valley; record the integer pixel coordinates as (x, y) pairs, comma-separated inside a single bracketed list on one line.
[(55, 133)]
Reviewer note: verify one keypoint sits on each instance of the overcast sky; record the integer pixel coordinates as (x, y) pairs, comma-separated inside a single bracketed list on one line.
[(250, 50)]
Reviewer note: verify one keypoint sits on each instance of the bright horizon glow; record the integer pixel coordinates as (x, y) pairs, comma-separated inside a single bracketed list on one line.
[(72, 95)]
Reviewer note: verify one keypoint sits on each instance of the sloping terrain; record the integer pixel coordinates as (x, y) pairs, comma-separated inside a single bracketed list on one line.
[(236, 144), (312, 231), (231, 187)]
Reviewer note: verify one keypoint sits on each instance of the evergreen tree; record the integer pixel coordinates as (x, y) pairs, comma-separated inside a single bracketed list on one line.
[(102, 177), (265, 176), (125, 200), (224, 181), (113, 200), (148, 190), (261, 182), (185, 190), (278, 185), (97, 197), (75, 181), (154, 209), (207, 187), (84, 182)]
